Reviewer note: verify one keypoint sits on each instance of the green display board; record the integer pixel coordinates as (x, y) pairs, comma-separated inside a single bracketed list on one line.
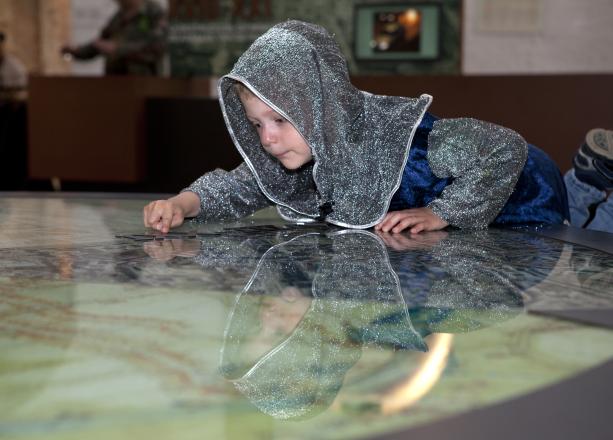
[(208, 36)]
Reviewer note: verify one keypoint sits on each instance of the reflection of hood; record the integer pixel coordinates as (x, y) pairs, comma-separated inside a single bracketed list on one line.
[(478, 290), (354, 293), (472, 279), (298, 70)]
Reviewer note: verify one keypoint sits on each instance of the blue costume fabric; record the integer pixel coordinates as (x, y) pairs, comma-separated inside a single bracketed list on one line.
[(590, 207), (539, 196)]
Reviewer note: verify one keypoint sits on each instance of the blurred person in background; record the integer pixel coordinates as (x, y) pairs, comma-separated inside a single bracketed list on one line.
[(13, 75), (133, 42), (13, 120)]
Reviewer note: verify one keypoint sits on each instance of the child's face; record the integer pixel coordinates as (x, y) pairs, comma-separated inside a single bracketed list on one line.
[(279, 317), (278, 136)]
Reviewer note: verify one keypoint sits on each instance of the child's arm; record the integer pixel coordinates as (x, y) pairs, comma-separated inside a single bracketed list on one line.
[(228, 195), (217, 195), (485, 161)]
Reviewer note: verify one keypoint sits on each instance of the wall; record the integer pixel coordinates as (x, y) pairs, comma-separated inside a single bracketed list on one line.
[(499, 36), (22, 41), (53, 19), (36, 29), (537, 36), (210, 43)]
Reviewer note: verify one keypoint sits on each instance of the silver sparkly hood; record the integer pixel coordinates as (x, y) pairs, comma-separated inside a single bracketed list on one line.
[(298, 70)]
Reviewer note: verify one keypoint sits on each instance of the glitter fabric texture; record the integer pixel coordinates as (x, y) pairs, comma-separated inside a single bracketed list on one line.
[(360, 142), (485, 161), (361, 293), (228, 195), (355, 299)]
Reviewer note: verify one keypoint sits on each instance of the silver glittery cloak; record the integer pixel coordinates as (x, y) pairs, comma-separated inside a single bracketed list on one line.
[(360, 143)]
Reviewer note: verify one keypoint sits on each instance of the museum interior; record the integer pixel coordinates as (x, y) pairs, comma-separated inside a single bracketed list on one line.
[(279, 305)]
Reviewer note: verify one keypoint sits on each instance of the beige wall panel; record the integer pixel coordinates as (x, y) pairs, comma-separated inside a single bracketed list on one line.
[(36, 30), (54, 25)]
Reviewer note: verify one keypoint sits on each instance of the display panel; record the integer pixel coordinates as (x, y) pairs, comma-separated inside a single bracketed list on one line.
[(397, 32)]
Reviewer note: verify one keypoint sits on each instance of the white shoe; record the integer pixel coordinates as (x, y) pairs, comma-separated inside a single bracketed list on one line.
[(599, 144)]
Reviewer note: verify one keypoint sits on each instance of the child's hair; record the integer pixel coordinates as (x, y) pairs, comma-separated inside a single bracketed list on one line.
[(242, 91)]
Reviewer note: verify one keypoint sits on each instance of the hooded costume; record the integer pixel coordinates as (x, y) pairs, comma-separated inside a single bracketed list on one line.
[(371, 153)]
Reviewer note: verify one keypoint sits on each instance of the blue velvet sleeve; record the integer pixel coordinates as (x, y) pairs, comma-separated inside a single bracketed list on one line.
[(539, 196), (419, 185)]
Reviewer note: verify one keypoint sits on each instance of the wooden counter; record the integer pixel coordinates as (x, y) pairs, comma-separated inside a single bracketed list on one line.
[(93, 129)]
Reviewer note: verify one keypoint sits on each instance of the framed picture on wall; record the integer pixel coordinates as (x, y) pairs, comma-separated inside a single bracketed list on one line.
[(403, 31)]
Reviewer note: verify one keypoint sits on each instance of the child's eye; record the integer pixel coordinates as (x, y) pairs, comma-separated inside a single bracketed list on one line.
[(279, 120)]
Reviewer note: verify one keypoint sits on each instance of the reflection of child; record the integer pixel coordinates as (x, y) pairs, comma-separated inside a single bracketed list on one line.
[(318, 148), (279, 316)]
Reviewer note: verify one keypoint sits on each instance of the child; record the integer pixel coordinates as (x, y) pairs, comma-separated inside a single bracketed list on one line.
[(319, 149)]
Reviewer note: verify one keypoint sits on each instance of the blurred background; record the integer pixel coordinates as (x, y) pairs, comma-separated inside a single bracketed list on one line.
[(120, 95)]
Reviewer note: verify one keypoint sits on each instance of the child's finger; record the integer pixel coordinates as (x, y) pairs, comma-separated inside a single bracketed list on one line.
[(388, 225), (406, 221), (147, 213), (382, 223), (146, 216), (155, 214), (165, 220), (155, 220), (421, 226), (390, 220)]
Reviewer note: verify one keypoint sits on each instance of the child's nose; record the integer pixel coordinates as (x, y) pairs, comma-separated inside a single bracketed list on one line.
[(268, 136)]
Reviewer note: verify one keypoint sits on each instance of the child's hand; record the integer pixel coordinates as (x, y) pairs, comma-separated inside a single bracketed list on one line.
[(163, 215), (418, 219)]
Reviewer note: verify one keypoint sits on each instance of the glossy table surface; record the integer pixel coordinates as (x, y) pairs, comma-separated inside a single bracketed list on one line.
[(261, 329)]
